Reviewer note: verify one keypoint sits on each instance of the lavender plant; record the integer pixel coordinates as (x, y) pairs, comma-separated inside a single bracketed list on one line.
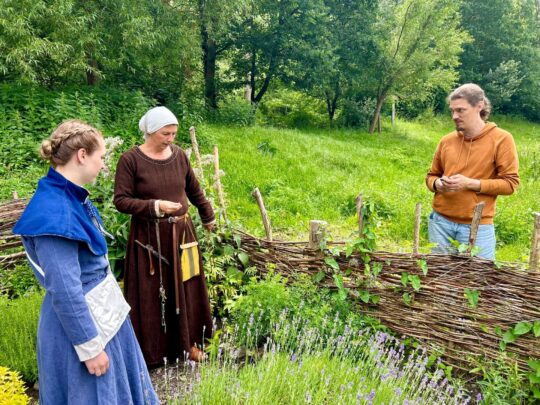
[(297, 365)]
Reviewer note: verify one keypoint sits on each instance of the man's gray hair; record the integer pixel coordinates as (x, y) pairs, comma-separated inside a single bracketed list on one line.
[(473, 94)]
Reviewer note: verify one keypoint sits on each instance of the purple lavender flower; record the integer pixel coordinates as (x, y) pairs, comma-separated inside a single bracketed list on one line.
[(479, 397), (398, 392), (371, 395)]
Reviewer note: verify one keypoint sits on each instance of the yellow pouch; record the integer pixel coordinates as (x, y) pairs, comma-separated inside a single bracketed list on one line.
[(190, 260)]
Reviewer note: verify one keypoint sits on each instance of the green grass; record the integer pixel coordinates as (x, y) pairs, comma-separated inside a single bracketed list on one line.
[(316, 174)]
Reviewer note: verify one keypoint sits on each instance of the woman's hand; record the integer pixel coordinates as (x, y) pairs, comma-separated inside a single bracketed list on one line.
[(209, 227), (168, 207), (98, 365)]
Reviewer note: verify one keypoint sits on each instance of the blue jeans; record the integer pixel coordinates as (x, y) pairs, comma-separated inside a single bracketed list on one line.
[(441, 230)]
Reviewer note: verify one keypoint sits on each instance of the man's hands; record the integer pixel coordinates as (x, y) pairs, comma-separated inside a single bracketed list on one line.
[(209, 227), (457, 182), (98, 365), (168, 207)]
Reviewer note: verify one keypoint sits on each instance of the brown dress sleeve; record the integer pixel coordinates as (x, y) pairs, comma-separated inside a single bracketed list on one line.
[(124, 190)]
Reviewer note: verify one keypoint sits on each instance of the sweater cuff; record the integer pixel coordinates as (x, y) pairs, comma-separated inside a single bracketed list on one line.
[(89, 350), (157, 211)]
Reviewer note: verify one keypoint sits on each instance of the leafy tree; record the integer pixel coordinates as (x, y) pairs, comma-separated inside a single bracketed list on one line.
[(337, 66), (215, 18), (504, 56), (139, 43), (272, 40), (418, 43)]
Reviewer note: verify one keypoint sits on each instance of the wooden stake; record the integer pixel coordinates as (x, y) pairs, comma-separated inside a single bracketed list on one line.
[(15, 195), (417, 221), (195, 147), (266, 220), (317, 233), (393, 111), (218, 183), (359, 215), (535, 245), (477, 216)]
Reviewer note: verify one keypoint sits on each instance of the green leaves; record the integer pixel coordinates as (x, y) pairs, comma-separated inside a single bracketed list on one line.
[(414, 280), (522, 328), (472, 296), (330, 261), (423, 266)]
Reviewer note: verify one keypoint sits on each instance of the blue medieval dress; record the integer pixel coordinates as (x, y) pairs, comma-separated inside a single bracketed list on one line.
[(83, 311)]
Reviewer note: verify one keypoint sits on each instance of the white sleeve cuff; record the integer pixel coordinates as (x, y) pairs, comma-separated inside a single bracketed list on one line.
[(89, 350), (159, 214)]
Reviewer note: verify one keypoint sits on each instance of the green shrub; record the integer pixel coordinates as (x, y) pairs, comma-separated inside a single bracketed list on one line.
[(11, 388), (356, 113), (18, 334), (261, 305), (18, 281), (235, 110), (292, 109)]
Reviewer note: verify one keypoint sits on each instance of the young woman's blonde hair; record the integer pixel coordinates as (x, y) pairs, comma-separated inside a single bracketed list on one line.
[(67, 139)]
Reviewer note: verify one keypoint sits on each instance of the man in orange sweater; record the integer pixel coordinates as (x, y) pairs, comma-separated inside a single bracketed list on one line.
[(476, 162)]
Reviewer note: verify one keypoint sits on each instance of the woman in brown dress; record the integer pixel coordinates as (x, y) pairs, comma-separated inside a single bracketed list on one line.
[(164, 280)]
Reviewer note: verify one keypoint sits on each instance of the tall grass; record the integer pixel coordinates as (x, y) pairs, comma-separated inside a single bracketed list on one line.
[(316, 174)]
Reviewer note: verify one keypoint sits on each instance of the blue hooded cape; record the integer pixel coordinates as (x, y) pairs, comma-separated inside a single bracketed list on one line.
[(62, 208)]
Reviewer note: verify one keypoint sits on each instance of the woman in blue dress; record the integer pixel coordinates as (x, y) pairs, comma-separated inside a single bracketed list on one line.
[(87, 350)]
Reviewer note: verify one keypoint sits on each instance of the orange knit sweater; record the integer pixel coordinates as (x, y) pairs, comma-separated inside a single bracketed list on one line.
[(490, 157)]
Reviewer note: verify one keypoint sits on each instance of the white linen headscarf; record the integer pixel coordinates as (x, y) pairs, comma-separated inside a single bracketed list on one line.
[(156, 118)]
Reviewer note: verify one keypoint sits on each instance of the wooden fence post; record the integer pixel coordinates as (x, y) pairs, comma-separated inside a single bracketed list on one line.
[(535, 244), (195, 146), (417, 221), (266, 220), (359, 203), (218, 183), (317, 233), (477, 216), (15, 195)]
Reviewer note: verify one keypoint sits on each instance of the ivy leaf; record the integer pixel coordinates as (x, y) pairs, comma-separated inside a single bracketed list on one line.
[(502, 345), (364, 296), (498, 331), (404, 278), (423, 265), (522, 328), (319, 276), (472, 297), (238, 240), (533, 378), (534, 364), (536, 392), (332, 263), (244, 258), (375, 299), (376, 269), (415, 282), (349, 250), (536, 328), (462, 248), (509, 337)]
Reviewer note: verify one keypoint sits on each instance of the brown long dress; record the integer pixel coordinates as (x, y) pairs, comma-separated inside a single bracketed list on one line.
[(140, 181)]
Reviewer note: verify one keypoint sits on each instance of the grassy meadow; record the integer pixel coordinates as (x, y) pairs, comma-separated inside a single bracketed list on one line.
[(316, 174)]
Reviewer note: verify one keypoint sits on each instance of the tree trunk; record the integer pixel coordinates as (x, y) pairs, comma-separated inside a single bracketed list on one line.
[(209, 54), (375, 118), (92, 78)]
